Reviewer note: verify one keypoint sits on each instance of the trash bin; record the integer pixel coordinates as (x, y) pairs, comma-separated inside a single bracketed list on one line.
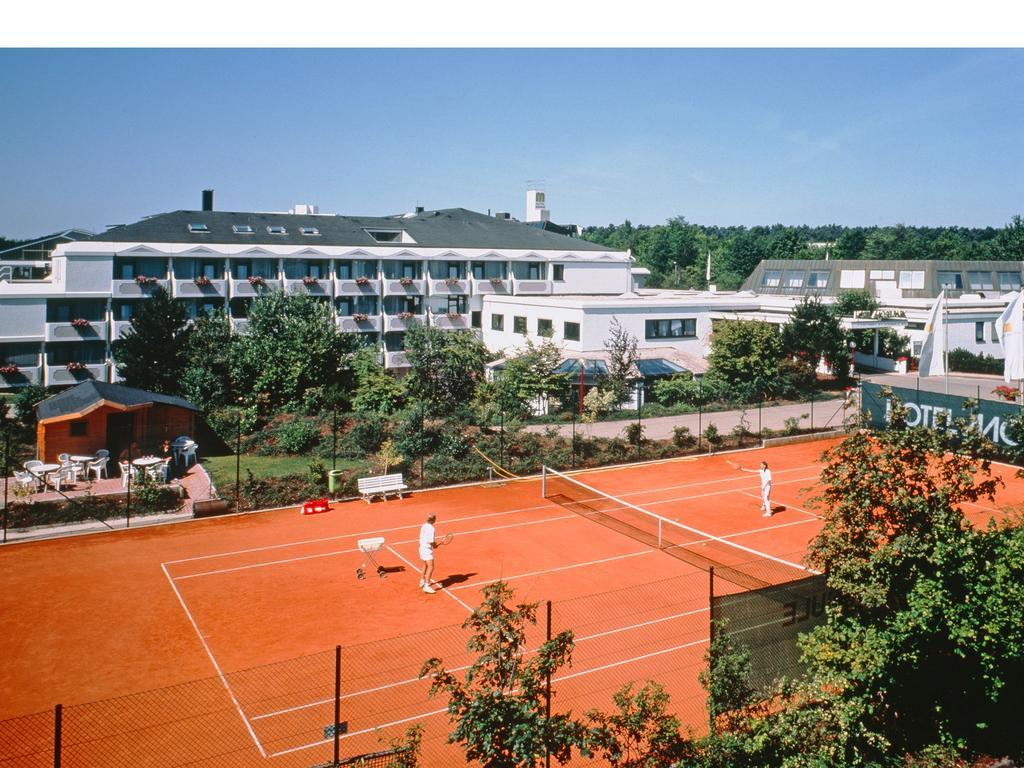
[(334, 479)]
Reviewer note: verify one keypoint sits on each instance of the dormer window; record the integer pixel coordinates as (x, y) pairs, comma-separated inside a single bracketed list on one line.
[(385, 235), (198, 229), (309, 231), (242, 229), (277, 230)]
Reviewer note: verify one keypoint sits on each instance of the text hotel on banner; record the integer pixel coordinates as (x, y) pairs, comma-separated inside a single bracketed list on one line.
[(923, 409)]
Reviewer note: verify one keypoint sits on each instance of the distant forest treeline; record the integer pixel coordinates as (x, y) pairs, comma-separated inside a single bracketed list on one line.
[(676, 251)]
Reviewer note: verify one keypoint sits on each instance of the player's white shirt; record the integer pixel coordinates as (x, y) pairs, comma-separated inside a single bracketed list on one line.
[(766, 477), (426, 537)]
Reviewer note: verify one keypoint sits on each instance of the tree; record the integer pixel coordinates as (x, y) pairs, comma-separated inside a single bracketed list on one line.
[(527, 377), (206, 380), (377, 390), (498, 708), (621, 347), (640, 733), (744, 352), (813, 332), (849, 302), (151, 353), (444, 367), (388, 456), (292, 355)]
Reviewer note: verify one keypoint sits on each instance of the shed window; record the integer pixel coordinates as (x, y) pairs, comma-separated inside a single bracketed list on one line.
[(79, 428)]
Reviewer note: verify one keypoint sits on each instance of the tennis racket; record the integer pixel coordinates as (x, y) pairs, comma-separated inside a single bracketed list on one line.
[(733, 464), (446, 539)]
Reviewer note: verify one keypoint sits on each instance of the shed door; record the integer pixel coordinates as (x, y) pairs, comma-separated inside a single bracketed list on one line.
[(120, 431)]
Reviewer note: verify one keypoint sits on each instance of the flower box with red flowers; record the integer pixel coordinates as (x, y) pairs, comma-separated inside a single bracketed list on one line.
[(360, 317), (451, 282), (202, 281), (8, 369), (309, 281), (257, 281), (145, 281), (453, 315), (1007, 393), (406, 281), (496, 281), (76, 367), (362, 281), (81, 323), (406, 315)]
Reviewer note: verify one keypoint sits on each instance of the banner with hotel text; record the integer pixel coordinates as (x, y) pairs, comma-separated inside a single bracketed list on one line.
[(923, 409)]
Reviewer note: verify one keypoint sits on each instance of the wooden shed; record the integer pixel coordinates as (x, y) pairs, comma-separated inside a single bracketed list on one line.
[(95, 415)]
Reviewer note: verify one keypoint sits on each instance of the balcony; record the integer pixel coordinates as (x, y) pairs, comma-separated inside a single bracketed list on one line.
[(322, 287), (449, 287), (187, 289), (357, 323), (395, 288), (400, 323), (349, 287), (95, 331), (531, 287), (132, 289), (27, 374), (117, 327), (59, 374), (396, 360), (499, 286), (244, 289), (450, 321)]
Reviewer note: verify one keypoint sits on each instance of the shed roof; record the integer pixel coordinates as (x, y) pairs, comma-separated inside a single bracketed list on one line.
[(89, 395)]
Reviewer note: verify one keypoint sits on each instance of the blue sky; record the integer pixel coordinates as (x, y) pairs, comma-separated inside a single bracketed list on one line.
[(928, 137)]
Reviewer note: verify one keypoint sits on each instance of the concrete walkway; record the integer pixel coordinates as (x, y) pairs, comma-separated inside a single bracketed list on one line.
[(826, 413)]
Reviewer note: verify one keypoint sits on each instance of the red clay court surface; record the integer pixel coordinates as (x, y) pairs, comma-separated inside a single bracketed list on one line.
[(234, 601)]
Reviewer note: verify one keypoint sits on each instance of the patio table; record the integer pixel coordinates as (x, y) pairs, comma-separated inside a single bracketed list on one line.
[(83, 462), (147, 462), (42, 471)]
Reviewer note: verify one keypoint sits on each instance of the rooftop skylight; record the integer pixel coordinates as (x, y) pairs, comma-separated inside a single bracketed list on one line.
[(276, 229), (242, 229), (195, 228), (309, 230)]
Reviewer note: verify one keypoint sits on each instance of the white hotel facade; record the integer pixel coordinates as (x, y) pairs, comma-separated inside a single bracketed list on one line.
[(451, 269)]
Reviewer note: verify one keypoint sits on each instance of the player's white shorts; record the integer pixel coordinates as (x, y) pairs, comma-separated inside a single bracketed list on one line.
[(426, 554)]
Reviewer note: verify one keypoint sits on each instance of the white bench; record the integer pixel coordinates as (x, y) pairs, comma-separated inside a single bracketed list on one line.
[(381, 485)]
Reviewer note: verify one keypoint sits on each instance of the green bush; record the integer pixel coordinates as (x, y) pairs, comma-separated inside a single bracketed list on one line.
[(712, 436), (368, 431), (296, 437), (682, 438), (968, 362)]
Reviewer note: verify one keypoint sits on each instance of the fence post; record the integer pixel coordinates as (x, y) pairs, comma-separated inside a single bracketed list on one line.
[(58, 720), (547, 702), (238, 463), (543, 481), (7, 471), (131, 471), (711, 650), (337, 704), (760, 438), (812, 410), (700, 412)]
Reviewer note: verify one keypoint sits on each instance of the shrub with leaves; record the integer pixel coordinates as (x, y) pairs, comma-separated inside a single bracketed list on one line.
[(640, 733)]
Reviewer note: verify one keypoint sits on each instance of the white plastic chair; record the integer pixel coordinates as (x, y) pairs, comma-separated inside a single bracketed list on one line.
[(54, 478), (189, 453), (125, 469), (98, 467), (26, 478)]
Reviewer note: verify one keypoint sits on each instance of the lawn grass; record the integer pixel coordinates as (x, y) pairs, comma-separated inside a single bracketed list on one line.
[(222, 468)]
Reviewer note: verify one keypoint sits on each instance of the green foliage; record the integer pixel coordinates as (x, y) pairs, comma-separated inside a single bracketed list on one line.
[(596, 403), (151, 353), (527, 376), (296, 436), (497, 708), (849, 302), (635, 433), (682, 438), (369, 431), (745, 351), (726, 679), (791, 426), (813, 332), (25, 401), (148, 498), (206, 379), (388, 457), (968, 362), (444, 367), (413, 436), (640, 733), (377, 390), (292, 354), (712, 436), (621, 347)]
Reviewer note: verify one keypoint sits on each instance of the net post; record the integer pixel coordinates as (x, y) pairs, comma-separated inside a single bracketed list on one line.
[(58, 723), (337, 704), (544, 481), (547, 698), (711, 650)]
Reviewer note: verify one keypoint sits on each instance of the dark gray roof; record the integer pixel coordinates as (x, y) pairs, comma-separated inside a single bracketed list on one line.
[(449, 228), (81, 397)]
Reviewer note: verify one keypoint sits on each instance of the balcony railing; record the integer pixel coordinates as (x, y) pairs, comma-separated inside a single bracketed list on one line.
[(402, 322), (359, 323), (450, 287), (189, 289), (246, 289), (396, 360), (135, 288), (394, 287), (117, 327), (531, 287), (321, 287), (496, 285), (95, 330), (353, 287), (450, 321), (26, 374), (59, 374)]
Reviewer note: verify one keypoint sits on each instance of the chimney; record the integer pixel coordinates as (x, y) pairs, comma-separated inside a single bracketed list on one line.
[(419, 209), (207, 199)]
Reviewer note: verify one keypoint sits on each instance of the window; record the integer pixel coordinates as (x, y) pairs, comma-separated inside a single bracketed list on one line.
[(571, 331), (916, 349), (671, 329), (242, 270), (1009, 281), (456, 305), (794, 279), (533, 270), (980, 280), (79, 428), (385, 235), (410, 269), (20, 354), (519, 324), (851, 278), (475, 320), (545, 327), (276, 229), (952, 280), (912, 280), (211, 270), (817, 280), (198, 228), (242, 229), (915, 326), (497, 322), (771, 278), (979, 332), (882, 274), (309, 231), (558, 272)]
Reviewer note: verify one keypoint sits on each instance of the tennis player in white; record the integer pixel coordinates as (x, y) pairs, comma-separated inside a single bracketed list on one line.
[(766, 487), (427, 547)]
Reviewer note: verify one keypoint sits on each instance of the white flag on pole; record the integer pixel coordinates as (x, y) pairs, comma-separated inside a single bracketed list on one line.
[(1010, 329), (707, 273), (933, 362)]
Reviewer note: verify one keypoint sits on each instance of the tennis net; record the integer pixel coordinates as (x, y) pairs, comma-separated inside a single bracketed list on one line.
[(743, 566)]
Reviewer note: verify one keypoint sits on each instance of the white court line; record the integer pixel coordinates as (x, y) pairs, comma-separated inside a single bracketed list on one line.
[(216, 666), (787, 506), (712, 482), (554, 570), (415, 569)]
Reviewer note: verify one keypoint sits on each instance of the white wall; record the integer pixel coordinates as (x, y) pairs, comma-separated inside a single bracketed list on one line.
[(89, 273), (22, 319), (592, 278)]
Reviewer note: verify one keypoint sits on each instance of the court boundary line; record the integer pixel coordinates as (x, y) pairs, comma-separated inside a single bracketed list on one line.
[(555, 570), (417, 570)]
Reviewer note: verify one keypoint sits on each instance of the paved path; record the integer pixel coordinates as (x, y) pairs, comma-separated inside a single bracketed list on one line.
[(827, 413)]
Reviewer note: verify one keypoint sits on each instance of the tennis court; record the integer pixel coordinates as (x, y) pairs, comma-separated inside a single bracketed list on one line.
[(212, 642)]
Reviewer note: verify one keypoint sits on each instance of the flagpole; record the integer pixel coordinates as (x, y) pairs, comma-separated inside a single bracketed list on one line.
[(945, 340)]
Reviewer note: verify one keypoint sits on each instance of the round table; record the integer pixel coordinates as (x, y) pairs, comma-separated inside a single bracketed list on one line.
[(147, 462), (84, 462), (42, 471)]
